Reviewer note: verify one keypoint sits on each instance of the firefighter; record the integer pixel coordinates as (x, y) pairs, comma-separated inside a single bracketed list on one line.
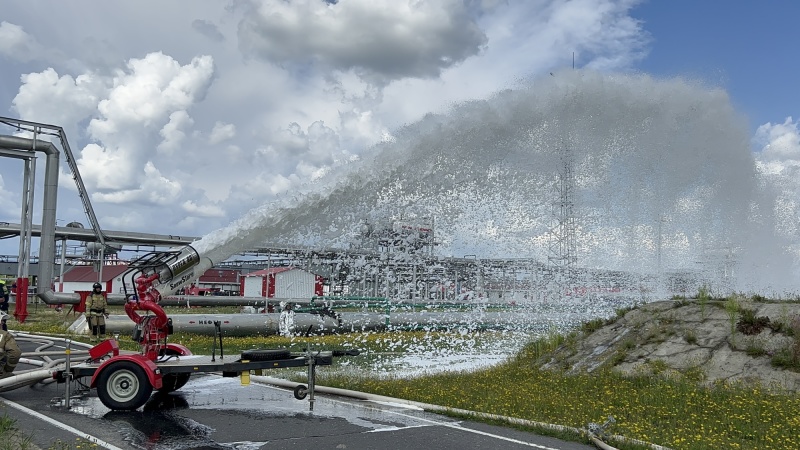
[(9, 350), (4, 296), (286, 323), (96, 313)]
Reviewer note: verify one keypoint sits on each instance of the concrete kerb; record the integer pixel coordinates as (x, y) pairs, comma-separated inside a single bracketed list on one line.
[(444, 409)]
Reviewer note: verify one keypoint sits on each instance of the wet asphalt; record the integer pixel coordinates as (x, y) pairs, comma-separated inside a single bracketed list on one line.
[(212, 412)]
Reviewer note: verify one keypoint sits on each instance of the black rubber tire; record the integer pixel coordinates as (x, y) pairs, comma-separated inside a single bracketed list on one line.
[(123, 386), (266, 355), (300, 392), (160, 402), (173, 381)]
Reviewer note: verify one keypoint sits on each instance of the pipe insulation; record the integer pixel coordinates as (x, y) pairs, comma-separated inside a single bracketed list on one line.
[(268, 323)]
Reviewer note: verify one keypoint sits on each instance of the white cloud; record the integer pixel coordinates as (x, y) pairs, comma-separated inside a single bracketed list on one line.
[(15, 43), (524, 39), (123, 221), (173, 133), (155, 190), (778, 161), (386, 39), (153, 95), (222, 132), (779, 143), (603, 30), (64, 101), (152, 88), (192, 208)]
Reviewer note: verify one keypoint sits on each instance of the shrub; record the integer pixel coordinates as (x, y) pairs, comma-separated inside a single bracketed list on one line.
[(755, 348), (680, 300), (703, 296), (732, 307), (592, 325), (749, 324), (789, 358), (784, 325), (786, 358), (690, 337)]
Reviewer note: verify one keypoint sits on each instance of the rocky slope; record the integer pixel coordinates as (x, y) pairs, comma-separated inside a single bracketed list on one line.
[(709, 341)]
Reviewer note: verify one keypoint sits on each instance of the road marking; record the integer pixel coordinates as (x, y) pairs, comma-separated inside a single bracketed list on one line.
[(470, 430), (434, 422), (63, 426)]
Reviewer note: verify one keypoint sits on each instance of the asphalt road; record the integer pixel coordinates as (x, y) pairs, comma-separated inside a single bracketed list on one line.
[(212, 412)]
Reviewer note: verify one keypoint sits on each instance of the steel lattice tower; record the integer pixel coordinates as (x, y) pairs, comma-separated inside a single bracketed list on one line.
[(563, 257)]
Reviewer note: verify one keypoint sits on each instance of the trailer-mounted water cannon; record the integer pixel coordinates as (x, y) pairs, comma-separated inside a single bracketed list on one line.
[(124, 381), (153, 276)]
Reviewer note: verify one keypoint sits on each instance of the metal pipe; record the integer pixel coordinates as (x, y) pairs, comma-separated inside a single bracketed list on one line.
[(47, 241), (268, 323), (72, 298)]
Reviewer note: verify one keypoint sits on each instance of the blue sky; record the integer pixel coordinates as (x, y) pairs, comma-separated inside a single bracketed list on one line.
[(747, 47)]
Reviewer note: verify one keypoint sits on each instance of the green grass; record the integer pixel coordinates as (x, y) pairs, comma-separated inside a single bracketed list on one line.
[(667, 410), (12, 438), (677, 413)]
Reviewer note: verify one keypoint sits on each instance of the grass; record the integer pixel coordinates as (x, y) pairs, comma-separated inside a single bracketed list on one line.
[(669, 411), (789, 358), (703, 297), (12, 438), (674, 411)]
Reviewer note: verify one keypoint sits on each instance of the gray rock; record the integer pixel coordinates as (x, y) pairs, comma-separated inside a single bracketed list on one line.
[(679, 337)]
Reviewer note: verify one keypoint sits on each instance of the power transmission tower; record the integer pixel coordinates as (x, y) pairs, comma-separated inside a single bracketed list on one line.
[(563, 253)]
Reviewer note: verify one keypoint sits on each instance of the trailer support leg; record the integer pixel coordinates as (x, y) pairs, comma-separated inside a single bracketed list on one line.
[(68, 376), (217, 335), (312, 372)]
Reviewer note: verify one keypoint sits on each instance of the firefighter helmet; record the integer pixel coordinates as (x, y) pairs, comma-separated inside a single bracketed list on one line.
[(97, 286)]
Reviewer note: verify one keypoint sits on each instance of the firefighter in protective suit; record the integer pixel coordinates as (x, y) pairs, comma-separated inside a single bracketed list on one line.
[(96, 313), (9, 350), (286, 323)]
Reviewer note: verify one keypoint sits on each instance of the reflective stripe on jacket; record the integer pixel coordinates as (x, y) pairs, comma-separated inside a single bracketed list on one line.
[(96, 304)]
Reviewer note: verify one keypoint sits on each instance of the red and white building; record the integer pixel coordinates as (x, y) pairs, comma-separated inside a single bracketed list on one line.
[(81, 278), (282, 282), (216, 282)]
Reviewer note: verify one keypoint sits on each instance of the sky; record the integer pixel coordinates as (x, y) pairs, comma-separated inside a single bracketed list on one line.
[(185, 115)]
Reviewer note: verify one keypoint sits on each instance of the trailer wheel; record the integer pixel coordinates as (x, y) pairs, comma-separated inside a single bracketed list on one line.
[(123, 386), (173, 381), (266, 355), (300, 392)]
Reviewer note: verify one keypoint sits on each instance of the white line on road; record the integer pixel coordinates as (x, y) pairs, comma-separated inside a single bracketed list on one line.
[(63, 426), (434, 422), (470, 430)]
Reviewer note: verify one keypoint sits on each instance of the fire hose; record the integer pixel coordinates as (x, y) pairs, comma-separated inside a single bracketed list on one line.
[(46, 363), (589, 432)]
